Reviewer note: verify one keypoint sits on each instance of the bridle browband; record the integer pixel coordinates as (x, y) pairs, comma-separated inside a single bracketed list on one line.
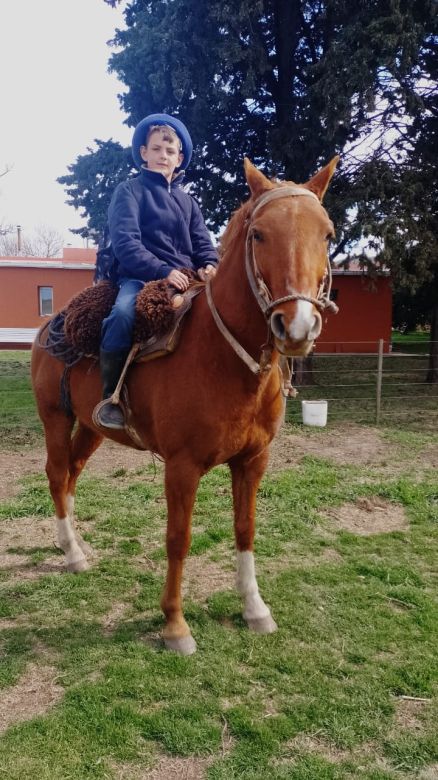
[(261, 291)]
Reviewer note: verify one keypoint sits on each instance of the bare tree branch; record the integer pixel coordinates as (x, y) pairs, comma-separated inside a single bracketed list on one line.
[(7, 169), (46, 242)]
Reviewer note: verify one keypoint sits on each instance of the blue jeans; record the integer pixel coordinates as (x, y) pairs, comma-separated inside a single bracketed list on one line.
[(118, 326)]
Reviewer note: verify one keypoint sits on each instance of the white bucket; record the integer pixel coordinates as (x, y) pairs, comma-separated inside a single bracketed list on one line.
[(314, 412)]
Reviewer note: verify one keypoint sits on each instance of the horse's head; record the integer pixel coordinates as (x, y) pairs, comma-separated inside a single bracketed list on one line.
[(287, 249)]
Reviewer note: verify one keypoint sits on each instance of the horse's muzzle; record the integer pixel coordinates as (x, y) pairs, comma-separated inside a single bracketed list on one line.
[(294, 335), (293, 349)]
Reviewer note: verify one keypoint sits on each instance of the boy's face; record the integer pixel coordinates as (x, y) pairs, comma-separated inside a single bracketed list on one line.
[(162, 154)]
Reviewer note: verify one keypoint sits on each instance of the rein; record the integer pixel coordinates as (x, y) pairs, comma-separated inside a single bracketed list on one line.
[(262, 293)]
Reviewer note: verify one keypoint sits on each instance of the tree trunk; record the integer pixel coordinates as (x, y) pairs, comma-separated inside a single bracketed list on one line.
[(432, 373), (287, 30), (303, 371)]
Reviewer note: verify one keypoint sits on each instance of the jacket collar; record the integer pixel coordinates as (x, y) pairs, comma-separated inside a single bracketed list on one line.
[(154, 177)]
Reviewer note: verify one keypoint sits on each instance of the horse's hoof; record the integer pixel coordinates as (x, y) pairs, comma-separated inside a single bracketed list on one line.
[(184, 645), (265, 625), (77, 566)]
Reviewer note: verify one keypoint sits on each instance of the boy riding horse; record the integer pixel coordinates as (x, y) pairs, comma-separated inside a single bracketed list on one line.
[(156, 229)]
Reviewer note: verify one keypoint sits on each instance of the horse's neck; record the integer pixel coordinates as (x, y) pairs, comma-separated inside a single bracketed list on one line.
[(236, 303)]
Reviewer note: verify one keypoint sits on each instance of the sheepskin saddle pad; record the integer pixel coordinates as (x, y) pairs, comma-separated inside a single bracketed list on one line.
[(76, 331)]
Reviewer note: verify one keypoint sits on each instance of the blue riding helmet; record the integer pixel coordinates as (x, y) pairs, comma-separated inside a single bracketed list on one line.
[(141, 131)]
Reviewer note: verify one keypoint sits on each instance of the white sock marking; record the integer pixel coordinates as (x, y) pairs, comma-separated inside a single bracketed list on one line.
[(70, 505), (67, 541), (254, 606)]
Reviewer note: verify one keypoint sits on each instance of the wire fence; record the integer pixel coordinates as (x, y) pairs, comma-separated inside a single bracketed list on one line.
[(375, 387)]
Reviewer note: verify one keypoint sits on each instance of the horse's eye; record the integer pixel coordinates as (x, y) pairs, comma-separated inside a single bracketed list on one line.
[(257, 236), (329, 237)]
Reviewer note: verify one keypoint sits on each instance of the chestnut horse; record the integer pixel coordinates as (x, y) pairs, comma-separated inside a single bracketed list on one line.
[(211, 401)]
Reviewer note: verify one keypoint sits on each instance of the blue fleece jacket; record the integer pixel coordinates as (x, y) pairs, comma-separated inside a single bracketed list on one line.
[(156, 227)]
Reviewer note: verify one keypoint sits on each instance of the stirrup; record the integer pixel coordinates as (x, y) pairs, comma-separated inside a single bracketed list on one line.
[(109, 415)]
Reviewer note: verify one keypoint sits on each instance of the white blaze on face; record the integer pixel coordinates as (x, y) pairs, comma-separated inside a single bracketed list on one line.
[(305, 325)]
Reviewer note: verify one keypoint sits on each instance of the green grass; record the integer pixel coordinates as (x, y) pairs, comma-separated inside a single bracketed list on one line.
[(415, 341), (19, 422), (356, 632)]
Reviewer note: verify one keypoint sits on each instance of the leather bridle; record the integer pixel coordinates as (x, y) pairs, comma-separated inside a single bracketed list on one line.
[(260, 290)]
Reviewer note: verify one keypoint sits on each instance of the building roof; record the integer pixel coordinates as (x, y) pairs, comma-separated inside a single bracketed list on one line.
[(354, 268), (72, 258)]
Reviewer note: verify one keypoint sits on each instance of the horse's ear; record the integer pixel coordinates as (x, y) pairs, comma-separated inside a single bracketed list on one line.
[(257, 182), (321, 180)]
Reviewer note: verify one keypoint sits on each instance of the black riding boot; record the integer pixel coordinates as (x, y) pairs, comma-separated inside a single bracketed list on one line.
[(111, 365)]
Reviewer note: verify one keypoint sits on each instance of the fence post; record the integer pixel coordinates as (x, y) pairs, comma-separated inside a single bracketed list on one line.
[(379, 380)]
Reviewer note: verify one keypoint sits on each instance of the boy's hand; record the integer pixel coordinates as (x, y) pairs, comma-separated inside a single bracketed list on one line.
[(178, 280), (207, 273)]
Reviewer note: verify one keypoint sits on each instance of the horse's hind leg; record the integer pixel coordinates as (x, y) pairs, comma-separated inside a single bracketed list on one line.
[(246, 475), (182, 480), (84, 443), (58, 428)]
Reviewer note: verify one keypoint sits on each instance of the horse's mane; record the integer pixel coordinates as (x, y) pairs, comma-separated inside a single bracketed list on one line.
[(234, 230)]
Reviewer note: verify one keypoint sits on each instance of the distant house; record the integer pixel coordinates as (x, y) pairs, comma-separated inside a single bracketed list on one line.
[(32, 288)]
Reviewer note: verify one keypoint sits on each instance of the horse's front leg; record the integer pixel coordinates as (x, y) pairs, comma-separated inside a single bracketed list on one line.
[(181, 481), (246, 475)]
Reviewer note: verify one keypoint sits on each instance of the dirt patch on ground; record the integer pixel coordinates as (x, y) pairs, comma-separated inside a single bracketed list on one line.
[(202, 576), (111, 620), (429, 773), (174, 768), (118, 612), (368, 516), (351, 444), (408, 714), (40, 531), (168, 768), (19, 539), (316, 745), (108, 459), (33, 695), (429, 456), (22, 537), (304, 743)]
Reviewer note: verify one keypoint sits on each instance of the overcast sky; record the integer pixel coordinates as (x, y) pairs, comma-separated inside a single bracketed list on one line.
[(56, 97)]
